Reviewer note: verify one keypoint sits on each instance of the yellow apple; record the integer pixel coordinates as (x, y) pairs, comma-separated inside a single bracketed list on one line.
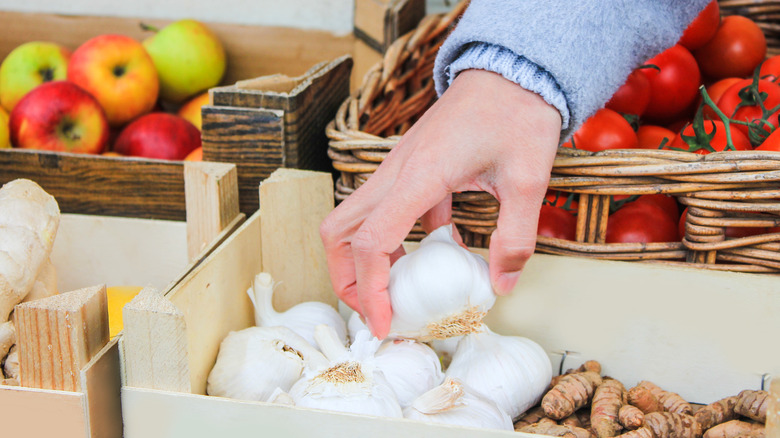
[(28, 66), (5, 139), (190, 111)]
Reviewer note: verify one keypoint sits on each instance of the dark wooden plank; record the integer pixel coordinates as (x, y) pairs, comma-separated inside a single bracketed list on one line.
[(252, 139), (107, 186)]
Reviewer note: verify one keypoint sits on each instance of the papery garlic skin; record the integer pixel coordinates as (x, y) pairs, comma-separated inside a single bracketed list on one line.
[(511, 370), (411, 368), (355, 325), (445, 349), (253, 362), (440, 290), (351, 384), (301, 318), (456, 404)]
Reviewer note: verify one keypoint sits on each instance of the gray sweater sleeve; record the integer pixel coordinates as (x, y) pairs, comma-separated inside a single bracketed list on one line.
[(574, 53)]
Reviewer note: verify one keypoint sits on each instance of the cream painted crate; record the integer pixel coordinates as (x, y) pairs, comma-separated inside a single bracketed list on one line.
[(91, 250), (702, 334)]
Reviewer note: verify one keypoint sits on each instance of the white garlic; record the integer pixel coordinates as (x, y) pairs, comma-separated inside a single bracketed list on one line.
[(445, 349), (440, 290), (352, 382), (253, 362), (411, 368), (454, 403), (280, 397), (355, 325), (301, 318), (511, 370)]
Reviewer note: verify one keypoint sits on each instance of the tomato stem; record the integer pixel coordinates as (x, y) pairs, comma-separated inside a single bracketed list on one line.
[(726, 121)]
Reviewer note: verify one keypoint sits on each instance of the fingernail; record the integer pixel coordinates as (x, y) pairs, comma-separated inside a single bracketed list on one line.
[(372, 328), (506, 282)]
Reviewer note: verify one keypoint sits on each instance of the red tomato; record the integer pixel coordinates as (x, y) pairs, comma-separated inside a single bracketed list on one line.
[(771, 143), (605, 130), (730, 99), (718, 142), (678, 126), (667, 203), (681, 224), (736, 49), (559, 199), (556, 222), (771, 67), (675, 86), (703, 27), (633, 96), (651, 136), (641, 223), (715, 91)]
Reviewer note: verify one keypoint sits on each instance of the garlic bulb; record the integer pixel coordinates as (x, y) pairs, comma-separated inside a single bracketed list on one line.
[(453, 403), (511, 370), (301, 318), (352, 382), (280, 397), (355, 325), (445, 349), (440, 290), (253, 362), (411, 368)]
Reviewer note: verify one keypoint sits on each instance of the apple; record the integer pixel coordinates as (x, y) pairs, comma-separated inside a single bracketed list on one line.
[(5, 135), (195, 155), (189, 58), (59, 116), (28, 66), (158, 135), (120, 74), (190, 111)]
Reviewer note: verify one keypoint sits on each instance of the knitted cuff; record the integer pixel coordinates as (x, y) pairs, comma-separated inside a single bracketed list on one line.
[(515, 68)]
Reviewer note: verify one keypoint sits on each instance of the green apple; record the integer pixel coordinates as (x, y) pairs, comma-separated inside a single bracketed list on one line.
[(28, 66), (189, 59)]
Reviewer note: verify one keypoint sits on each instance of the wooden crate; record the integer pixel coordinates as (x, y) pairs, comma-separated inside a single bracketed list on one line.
[(703, 334), (91, 250)]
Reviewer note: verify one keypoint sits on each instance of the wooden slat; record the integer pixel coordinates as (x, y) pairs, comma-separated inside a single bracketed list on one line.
[(101, 382), (293, 203), (107, 186), (29, 412), (211, 191), (379, 22), (59, 335)]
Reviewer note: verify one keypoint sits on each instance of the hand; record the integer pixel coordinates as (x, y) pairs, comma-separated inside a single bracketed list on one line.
[(485, 133)]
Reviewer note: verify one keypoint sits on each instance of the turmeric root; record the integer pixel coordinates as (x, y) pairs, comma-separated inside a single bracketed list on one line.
[(604, 408), (733, 429), (631, 417), (752, 404), (530, 417), (589, 365), (572, 420), (643, 399), (669, 425), (571, 393), (671, 401), (584, 417), (552, 429), (642, 432), (716, 413)]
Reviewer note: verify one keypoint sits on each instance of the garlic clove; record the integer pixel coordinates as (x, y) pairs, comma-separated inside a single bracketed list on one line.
[(411, 368), (301, 318), (511, 370), (454, 403), (355, 324), (280, 397), (440, 290), (445, 349)]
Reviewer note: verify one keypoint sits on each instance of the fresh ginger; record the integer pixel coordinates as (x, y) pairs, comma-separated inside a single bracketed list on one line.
[(669, 425), (733, 429), (642, 432), (607, 400), (643, 399), (571, 393), (671, 401), (717, 412), (631, 417), (752, 404), (552, 429)]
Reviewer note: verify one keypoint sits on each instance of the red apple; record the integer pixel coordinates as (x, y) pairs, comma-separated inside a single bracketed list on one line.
[(158, 135), (118, 71), (59, 116)]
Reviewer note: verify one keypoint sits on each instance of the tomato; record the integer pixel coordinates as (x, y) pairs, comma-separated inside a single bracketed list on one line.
[(718, 142), (681, 224), (678, 126), (605, 130), (730, 99), (667, 203), (736, 49), (715, 91), (559, 199), (771, 143), (641, 223), (675, 86), (556, 222), (651, 136), (633, 96), (771, 67), (703, 27)]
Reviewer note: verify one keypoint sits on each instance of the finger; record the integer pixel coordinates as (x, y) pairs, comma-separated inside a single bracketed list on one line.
[(381, 234), (397, 254), (514, 239), (440, 214)]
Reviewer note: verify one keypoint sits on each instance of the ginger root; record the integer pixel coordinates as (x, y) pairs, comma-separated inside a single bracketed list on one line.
[(671, 401), (605, 406), (716, 412), (752, 404), (571, 393), (631, 417), (733, 429), (669, 424)]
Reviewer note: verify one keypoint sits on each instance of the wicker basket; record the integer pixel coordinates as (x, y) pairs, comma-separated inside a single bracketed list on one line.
[(727, 189)]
